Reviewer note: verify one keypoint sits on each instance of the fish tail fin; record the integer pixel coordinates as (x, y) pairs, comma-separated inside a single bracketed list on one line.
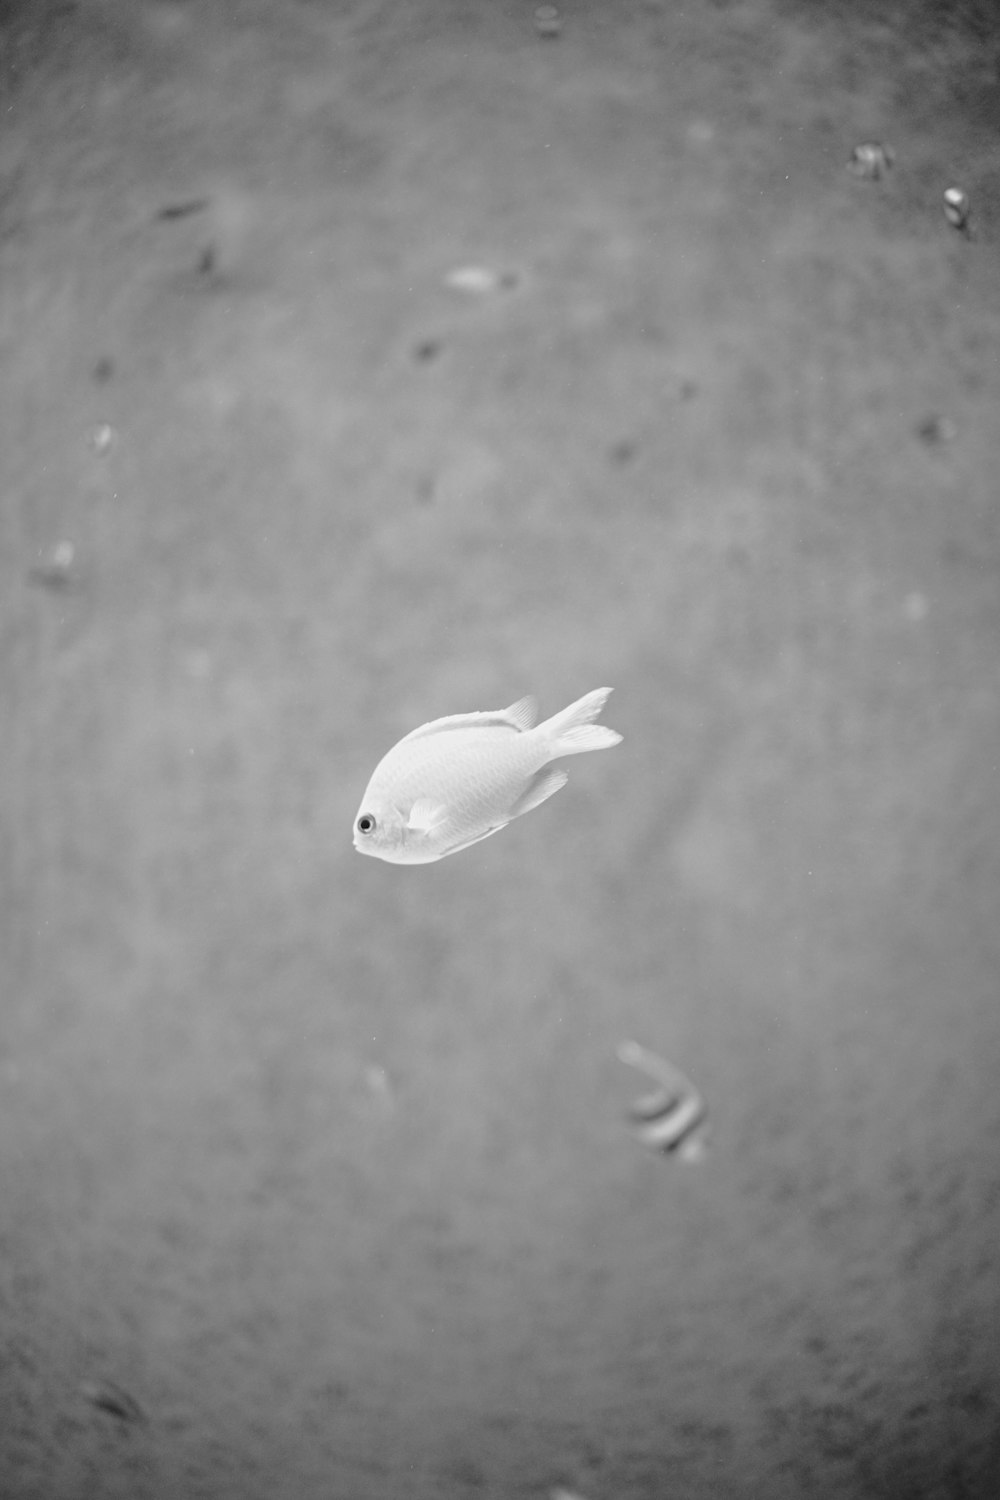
[(573, 731)]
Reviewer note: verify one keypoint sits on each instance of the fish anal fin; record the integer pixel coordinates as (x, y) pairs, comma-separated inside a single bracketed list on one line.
[(543, 784), (477, 837)]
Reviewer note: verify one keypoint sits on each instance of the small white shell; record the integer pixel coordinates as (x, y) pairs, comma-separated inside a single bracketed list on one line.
[(871, 159), (55, 570), (669, 1118), (479, 281), (670, 1130), (101, 439), (548, 21), (956, 207), (379, 1087)]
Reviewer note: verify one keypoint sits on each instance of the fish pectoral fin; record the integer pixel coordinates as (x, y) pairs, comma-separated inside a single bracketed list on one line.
[(426, 816), (544, 783)]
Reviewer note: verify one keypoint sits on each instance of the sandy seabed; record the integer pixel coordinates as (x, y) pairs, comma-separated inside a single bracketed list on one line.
[(315, 1173)]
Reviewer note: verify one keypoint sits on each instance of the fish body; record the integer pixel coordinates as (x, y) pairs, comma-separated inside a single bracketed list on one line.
[(456, 780)]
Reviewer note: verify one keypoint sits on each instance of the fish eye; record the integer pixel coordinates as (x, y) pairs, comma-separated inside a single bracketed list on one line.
[(366, 823)]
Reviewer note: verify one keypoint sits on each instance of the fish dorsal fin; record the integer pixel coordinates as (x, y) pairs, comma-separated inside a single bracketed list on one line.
[(523, 714), (426, 816), (520, 716)]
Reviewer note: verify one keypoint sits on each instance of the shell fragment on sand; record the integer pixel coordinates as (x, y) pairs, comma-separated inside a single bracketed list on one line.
[(670, 1117), (107, 1396), (957, 208), (55, 571), (480, 281), (182, 210), (872, 159), (101, 439), (548, 21), (916, 606), (380, 1090), (935, 428)]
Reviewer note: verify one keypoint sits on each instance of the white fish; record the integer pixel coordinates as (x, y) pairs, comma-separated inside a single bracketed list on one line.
[(455, 781)]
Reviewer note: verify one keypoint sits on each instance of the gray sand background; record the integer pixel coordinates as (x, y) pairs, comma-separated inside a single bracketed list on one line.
[(325, 1162)]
